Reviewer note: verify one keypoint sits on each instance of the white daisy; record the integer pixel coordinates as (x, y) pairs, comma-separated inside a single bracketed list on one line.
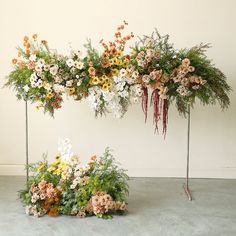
[(39, 83), (54, 69), (47, 86), (123, 72), (69, 83), (79, 83), (33, 78), (58, 79), (70, 62), (33, 57), (79, 65), (26, 88)]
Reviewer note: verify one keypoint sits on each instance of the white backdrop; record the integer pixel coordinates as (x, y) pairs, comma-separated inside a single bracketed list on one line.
[(189, 22)]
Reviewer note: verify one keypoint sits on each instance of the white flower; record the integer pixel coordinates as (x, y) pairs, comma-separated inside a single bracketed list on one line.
[(34, 198), (146, 78), (108, 96), (39, 83), (64, 148), (47, 86), (70, 62), (33, 78), (72, 186), (124, 94), (79, 83), (69, 83), (34, 84), (135, 75), (117, 79), (123, 72), (26, 88), (120, 86), (58, 79), (46, 67), (38, 68), (33, 57), (41, 62), (28, 210), (54, 69), (42, 196), (79, 65)]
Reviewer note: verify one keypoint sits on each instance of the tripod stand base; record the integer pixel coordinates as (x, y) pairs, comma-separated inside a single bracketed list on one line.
[(188, 192)]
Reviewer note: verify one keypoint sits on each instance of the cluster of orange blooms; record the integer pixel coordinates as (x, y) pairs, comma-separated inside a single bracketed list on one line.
[(27, 47)]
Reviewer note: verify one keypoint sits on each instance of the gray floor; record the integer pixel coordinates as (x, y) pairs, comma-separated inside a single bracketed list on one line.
[(157, 206)]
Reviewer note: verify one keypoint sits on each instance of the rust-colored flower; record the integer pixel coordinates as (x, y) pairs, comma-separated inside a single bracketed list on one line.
[(44, 42), (34, 36), (53, 212), (14, 61), (26, 38)]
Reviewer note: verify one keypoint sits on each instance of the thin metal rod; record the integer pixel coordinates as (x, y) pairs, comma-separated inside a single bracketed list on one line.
[(186, 186), (26, 141)]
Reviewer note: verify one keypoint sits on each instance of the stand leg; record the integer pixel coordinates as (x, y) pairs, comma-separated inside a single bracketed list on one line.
[(26, 141), (186, 185)]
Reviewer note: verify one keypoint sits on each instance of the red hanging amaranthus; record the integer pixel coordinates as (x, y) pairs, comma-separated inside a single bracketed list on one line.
[(160, 111), (145, 101)]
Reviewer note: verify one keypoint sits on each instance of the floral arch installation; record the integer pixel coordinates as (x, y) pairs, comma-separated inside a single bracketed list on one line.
[(115, 78)]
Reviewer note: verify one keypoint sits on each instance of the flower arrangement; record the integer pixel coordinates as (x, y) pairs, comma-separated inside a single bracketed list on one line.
[(66, 187), (112, 80)]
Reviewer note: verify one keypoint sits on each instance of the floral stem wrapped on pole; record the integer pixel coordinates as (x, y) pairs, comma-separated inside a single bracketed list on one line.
[(113, 80), (66, 187)]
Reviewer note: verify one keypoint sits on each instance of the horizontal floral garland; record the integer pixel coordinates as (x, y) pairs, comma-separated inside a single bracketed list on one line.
[(113, 80), (66, 187)]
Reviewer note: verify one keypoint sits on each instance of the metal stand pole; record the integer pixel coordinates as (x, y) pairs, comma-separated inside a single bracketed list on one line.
[(26, 141), (186, 185)]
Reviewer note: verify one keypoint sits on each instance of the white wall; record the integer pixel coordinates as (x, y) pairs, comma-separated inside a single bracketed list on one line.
[(189, 22)]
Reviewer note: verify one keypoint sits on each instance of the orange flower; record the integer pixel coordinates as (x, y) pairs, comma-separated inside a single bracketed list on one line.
[(27, 51), (27, 45), (26, 38), (92, 71), (34, 36), (19, 54), (14, 61), (93, 158), (53, 212)]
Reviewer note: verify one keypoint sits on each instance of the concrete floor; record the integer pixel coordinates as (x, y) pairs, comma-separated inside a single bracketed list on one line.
[(157, 206)]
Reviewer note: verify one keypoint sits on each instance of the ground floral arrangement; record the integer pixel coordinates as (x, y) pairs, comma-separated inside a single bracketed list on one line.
[(66, 187), (113, 79)]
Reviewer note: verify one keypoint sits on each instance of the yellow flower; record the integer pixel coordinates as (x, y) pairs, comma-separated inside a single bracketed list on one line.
[(107, 80), (70, 91), (51, 169), (95, 80), (119, 53), (111, 61), (105, 87), (126, 62), (39, 106), (133, 53), (50, 95), (119, 63), (55, 163), (42, 166), (109, 85), (114, 72)]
